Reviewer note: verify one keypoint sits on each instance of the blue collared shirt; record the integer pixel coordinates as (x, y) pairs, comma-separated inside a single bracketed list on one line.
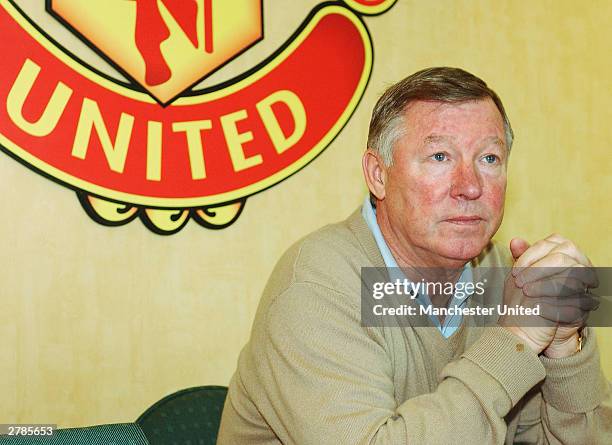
[(451, 323)]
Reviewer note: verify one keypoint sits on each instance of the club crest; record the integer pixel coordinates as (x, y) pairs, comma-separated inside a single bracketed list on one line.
[(154, 147)]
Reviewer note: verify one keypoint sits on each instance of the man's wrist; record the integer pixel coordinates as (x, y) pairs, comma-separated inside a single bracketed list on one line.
[(564, 349)]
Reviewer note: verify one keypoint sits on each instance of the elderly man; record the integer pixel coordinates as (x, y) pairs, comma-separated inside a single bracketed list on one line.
[(313, 373)]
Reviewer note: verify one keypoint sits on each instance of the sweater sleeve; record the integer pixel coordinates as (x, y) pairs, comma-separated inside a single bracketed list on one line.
[(325, 379), (574, 403)]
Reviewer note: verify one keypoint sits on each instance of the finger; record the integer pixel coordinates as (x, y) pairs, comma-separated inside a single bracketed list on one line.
[(555, 286), (565, 315), (572, 317), (567, 311), (575, 322), (556, 238), (539, 250), (560, 265), (548, 266), (570, 249), (518, 246), (584, 302), (586, 274)]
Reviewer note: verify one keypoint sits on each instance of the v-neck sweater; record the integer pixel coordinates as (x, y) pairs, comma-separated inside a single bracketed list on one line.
[(312, 374)]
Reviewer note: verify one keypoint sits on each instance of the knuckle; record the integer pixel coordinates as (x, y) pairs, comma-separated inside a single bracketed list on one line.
[(568, 245), (559, 257), (555, 237), (541, 243)]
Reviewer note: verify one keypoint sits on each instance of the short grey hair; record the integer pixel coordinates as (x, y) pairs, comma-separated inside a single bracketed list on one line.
[(439, 84)]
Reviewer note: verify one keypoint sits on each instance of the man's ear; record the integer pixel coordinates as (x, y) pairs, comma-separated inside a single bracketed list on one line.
[(375, 173)]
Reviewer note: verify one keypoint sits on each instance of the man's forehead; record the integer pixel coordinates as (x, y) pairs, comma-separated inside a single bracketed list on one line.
[(435, 107), (426, 116), (444, 139)]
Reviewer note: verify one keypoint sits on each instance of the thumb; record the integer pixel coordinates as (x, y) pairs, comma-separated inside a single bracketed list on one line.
[(518, 246)]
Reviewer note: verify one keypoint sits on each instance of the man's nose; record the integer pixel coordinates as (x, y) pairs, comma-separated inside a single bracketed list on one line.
[(466, 182)]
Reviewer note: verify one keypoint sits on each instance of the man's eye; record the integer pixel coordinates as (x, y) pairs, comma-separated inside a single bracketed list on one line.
[(439, 157), (491, 159)]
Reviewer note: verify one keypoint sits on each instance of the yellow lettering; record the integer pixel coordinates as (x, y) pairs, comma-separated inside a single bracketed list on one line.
[(235, 140), (193, 131), (154, 150), (91, 118), (18, 94), (296, 107)]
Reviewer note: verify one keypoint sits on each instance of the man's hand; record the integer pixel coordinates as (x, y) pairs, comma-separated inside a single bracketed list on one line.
[(536, 337), (556, 275)]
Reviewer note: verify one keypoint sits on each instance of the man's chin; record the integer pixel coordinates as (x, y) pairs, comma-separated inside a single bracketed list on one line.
[(461, 250)]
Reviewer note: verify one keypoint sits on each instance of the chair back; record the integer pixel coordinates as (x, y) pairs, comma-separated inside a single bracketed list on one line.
[(187, 417)]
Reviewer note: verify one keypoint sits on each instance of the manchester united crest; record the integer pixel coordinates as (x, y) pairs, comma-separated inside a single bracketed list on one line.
[(154, 147)]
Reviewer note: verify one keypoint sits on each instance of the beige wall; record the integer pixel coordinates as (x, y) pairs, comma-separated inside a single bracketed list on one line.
[(98, 323)]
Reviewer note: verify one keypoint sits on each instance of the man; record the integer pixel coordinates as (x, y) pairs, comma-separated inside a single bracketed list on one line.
[(313, 374)]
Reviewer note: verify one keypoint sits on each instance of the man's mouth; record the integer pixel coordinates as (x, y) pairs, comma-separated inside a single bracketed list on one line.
[(467, 220)]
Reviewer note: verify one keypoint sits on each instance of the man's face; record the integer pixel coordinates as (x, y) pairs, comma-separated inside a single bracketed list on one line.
[(444, 193)]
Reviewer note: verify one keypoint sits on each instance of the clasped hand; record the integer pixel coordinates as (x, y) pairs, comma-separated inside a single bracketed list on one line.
[(556, 276)]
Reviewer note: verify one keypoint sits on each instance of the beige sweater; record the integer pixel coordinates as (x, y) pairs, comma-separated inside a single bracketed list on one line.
[(311, 374)]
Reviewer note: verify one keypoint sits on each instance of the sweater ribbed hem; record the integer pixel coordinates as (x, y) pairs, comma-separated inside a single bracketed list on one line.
[(575, 384), (508, 360)]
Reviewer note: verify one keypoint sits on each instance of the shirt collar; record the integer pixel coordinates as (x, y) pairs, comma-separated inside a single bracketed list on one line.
[(369, 214)]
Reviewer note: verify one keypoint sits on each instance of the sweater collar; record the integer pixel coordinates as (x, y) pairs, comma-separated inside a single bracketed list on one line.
[(357, 224)]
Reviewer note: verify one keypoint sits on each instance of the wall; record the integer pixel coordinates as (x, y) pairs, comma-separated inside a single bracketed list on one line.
[(98, 323)]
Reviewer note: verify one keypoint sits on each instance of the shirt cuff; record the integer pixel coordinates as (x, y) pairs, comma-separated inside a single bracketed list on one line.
[(575, 384), (508, 360)]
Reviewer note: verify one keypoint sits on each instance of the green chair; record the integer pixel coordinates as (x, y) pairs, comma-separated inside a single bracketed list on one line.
[(187, 417)]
